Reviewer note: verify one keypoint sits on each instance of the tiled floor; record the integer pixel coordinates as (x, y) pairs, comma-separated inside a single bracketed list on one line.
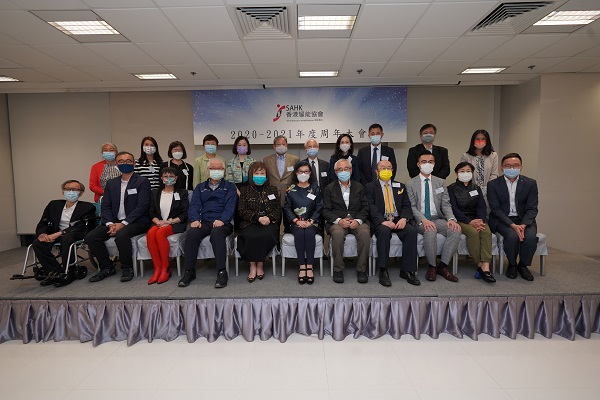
[(305, 367)]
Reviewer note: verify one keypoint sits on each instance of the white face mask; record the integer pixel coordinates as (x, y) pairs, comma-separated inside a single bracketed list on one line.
[(281, 150), (426, 169), (149, 149), (303, 177), (465, 176), (345, 147), (178, 155)]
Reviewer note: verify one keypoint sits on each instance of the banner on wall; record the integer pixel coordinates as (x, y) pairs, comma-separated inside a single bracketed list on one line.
[(299, 114)]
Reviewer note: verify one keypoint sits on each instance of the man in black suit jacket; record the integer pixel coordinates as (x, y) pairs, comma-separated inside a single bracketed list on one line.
[(319, 168), (346, 211), (392, 215), (369, 156), (64, 222), (121, 219), (513, 200), (441, 169)]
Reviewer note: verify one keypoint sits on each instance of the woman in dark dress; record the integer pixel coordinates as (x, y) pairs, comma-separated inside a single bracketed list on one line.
[(344, 148), (260, 211), (302, 211), (185, 171)]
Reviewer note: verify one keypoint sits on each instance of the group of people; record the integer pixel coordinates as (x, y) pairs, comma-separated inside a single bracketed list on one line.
[(350, 194)]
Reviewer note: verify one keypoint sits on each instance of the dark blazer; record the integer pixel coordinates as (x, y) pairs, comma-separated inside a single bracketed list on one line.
[(364, 162), (179, 208), (250, 201), (526, 199), (377, 201), (50, 220), (137, 200), (334, 206), (442, 162), (297, 198), (323, 167), (355, 168)]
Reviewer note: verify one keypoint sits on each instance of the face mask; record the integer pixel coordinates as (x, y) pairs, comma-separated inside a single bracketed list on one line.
[(242, 149), (511, 173), (170, 181), (312, 152), (109, 155), (465, 176), (480, 144), (149, 149), (210, 149), (259, 179), (303, 177), (428, 137), (217, 174), (125, 168), (178, 155), (344, 147), (344, 176), (375, 139), (426, 169), (71, 195), (385, 175), (281, 150)]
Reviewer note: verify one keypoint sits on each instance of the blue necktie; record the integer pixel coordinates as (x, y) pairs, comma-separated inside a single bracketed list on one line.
[(374, 164), (427, 200)]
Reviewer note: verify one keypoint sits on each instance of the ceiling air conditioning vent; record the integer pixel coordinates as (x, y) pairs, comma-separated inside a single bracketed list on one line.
[(263, 22), (512, 18)]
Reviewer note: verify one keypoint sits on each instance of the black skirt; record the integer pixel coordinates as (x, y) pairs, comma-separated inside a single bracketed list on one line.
[(256, 241)]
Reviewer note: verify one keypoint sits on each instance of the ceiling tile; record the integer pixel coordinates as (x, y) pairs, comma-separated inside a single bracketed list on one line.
[(8, 64), (427, 49), (276, 71), (8, 5), (319, 66), (369, 69), (202, 71), (28, 75), (142, 25), (570, 46), (144, 69), (595, 68), (98, 4), (51, 5), (499, 62), (233, 71), (322, 50), (408, 68), (593, 52), (271, 51), (372, 50), (451, 19), (121, 53), (202, 24), (538, 64), (573, 65), (186, 3), (75, 55), (445, 68), (522, 46), (29, 29), (28, 57), (171, 53), (4, 39), (377, 21), (221, 52), (67, 74), (472, 47), (109, 73)]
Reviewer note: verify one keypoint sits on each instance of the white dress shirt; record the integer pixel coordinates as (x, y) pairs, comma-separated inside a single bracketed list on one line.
[(512, 191), (432, 208)]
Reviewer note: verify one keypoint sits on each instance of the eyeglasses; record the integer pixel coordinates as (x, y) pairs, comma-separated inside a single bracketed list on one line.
[(511, 166), (120, 162), (347, 169)]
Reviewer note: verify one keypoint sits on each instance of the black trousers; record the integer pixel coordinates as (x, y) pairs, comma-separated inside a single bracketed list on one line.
[(96, 240), (408, 236), (513, 248), (305, 243), (43, 251), (218, 237)]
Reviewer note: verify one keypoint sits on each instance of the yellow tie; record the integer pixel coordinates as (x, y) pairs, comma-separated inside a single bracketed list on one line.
[(389, 204)]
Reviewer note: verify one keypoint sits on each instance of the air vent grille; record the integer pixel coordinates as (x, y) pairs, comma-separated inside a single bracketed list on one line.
[(512, 18), (263, 22)]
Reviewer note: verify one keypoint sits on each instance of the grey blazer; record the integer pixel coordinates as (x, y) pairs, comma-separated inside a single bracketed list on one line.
[(441, 199)]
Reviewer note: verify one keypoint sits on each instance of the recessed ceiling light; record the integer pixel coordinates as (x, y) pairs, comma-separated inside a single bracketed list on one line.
[(569, 18), (317, 74), (326, 22), (5, 78), (84, 27), (155, 76), (487, 70)]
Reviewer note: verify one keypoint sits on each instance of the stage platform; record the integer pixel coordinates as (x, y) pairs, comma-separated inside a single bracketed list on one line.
[(564, 302)]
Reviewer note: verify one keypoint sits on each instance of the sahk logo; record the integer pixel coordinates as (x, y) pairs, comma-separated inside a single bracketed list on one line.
[(280, 109)]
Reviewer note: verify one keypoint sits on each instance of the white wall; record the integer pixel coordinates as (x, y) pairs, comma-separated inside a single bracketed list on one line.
[(8, 222)]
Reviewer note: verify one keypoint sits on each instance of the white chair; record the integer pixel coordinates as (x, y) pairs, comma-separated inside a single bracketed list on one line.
[(288, 250), (463, 250), (273, 254), (541, 250), (176, 241), (395, 251), (350, 250), (205, 251), (113, 251), (73, 260)]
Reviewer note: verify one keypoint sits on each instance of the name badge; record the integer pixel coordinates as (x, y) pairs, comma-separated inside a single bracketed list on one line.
[(311, 196), (132, 191), (396, 184), (324, 174), (439, 190), (384, 158), (290, 169), (186, 172), (350, 159), (271, 197), (473, 193), (176, 196), (151, 169)]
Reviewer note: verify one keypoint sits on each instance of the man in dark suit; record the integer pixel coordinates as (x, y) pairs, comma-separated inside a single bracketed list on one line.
[(124, 213), (346, 210), (369, 156), (391, 213), (428, 133), (65, 222), (319, 168), (513, 200)]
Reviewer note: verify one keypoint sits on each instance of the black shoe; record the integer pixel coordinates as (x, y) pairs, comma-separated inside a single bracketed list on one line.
[(39, 274), (188, 276), (127, 274), (221, 279), (410, 277), (103, 273), (66, 279), (485, 275), (384, 277), (525, 273), (511, 271), (338, 276), (362, 277), (50, 279)]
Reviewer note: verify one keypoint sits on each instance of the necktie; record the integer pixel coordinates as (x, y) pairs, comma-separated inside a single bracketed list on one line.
[(389, 204), (374, 164), (313, 171), (427, 200)]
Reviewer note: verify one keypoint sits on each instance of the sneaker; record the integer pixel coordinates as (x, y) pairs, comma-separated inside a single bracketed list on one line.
[(103, 273), (221, 279), (362, 277), (338, 276), (188, 276)]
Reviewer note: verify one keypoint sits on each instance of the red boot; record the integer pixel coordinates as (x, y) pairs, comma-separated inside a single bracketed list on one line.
[(155, 276), (164, 275)]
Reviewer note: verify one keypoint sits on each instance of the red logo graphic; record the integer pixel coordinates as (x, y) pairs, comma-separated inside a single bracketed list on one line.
[(280, 109)]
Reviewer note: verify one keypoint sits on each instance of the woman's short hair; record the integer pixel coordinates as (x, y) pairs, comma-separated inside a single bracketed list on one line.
[(175, 144), (168, 170), (299, 165), (255, 166), (209, 138), (65, 183), (462, 165), (235, 144), (487, 150), (110, 144)]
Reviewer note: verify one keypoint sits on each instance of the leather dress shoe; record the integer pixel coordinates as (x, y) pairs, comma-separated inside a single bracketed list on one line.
[(447, 274), (222, 278), (362, 277), (511, 271), (384, 277), (66, 279), (485, 275), (525, 273), (50, 279), (410, 277), (431, 274), (103, 273), (338, 276), (188, 276), (127, 274), (39, 274)]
